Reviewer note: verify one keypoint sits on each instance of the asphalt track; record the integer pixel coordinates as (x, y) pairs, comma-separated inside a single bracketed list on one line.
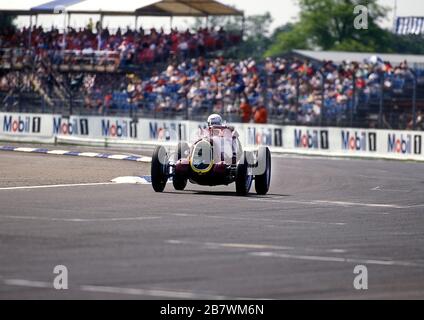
[(322, 218)]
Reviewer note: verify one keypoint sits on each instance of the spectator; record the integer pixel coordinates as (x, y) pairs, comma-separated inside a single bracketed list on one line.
[(246, 111), (141, 47), (261, 114)]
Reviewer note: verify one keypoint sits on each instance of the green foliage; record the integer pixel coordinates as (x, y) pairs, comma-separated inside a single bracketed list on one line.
[(329, 25), (331, 22), (292, 36), (353, 45), (322, 25), (411, 44)]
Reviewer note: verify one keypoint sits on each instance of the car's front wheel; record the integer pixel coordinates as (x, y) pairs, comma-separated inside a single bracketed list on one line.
[(263, 180), (159, 169)]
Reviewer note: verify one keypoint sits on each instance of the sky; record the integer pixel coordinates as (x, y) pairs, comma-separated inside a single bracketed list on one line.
[(283, 11)]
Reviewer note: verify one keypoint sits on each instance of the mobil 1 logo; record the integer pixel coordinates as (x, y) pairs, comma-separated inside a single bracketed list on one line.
[(311, 139), (407, 144), (359, 141)]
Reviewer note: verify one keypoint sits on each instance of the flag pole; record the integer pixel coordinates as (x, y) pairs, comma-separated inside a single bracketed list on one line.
[(395, 13)]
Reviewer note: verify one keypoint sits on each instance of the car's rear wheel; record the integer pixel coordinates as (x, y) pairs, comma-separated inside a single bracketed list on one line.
[(263, 181), (159, 169), (243, 178)]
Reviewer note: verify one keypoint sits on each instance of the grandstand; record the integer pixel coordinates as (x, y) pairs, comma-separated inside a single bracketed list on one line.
[(185, 75)]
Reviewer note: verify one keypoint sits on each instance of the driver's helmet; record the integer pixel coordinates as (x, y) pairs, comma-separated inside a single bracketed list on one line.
[(214, 120)]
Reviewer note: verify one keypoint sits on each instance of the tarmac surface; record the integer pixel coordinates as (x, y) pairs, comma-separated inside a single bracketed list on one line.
[(322, 218)]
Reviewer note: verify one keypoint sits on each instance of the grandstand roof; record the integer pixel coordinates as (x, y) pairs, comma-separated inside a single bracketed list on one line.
[(340, 56), (19, 6), (164, 8), (189, 8)]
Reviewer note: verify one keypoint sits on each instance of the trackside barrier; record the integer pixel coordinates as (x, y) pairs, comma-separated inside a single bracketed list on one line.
[(114, 131), (25, 127)]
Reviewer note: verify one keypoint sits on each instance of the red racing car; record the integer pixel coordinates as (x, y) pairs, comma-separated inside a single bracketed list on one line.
[(216, 158)]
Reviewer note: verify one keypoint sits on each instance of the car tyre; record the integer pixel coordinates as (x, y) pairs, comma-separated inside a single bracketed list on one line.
[(263, 182), (159, 169), (243, 177), (179, 181)]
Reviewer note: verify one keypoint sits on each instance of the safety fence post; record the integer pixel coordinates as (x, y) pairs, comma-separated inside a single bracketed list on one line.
[(354, 100), (414, 99), (381, 107), (322, 113)]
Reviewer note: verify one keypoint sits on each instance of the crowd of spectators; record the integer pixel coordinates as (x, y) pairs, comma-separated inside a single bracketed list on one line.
[(288, 90), (285, 90), (298, 89), (195, 87), (123, 47)]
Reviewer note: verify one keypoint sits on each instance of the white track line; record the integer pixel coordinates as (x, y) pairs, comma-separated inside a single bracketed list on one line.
[(88, 154), (359, 204), (207, 216), (337, 203), (275, 221), (25, 149), (251, 246), (281, 255), (59, 186), (78, 220), (58, 152), (118, 157), (380, 189), (155, 293), (231, 245), (27, 283), (337, 259)]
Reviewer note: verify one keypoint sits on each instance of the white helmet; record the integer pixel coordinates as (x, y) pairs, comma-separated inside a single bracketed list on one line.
[(215, 120)]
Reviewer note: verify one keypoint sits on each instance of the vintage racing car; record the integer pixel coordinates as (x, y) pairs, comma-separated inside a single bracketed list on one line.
[(216, 158)]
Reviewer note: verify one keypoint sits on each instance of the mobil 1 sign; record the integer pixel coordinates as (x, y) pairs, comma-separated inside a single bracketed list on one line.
[(25, 124), (404, 143), (271, 136), (311, 138), (359, 140), (73, 126)]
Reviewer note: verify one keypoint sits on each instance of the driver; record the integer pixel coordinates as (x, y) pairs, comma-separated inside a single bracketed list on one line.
[(215, 120)]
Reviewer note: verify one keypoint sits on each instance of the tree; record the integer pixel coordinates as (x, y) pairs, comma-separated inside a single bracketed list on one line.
[(292, 36), (412, 44), (329, 25), (256, 38)]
